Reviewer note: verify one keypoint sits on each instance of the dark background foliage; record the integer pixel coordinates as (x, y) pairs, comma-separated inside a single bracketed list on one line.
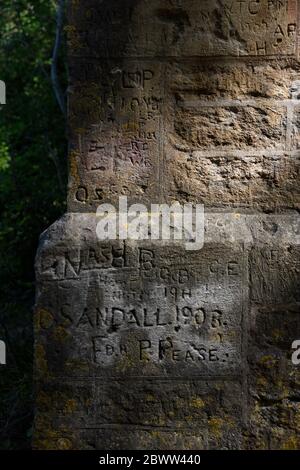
[(32, 192)]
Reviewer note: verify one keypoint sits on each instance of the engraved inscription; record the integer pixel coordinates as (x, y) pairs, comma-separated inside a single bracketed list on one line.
[(150, 309), (190, 28)]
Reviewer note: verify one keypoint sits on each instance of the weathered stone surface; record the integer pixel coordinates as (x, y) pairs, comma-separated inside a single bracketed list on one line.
[(184, 28), (145, 344)]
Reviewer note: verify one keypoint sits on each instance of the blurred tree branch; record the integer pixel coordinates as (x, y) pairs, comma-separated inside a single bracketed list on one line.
[(60, 13)]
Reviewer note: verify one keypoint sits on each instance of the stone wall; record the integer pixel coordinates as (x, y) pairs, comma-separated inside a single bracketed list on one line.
[(144, 345)]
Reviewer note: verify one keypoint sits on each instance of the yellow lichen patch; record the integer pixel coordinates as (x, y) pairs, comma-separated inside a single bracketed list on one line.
[(155, 434), (45, 318), (64, 444), (43, 401), (161, 439), (230, 423), (47, 438), (215, 337), (268, 361), (74, 159), (60, 334), (292, 443), (262, 382), (73, 37), (161, 421), (76, 365), (197, 403), (284, 390), (130, 126), (40, 358), (130, 361), (53, 444), (125, 363), (70, 406), (277, 334), (215, 426), (88, 402), (149, 397), (189, 418), (80, 131)]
